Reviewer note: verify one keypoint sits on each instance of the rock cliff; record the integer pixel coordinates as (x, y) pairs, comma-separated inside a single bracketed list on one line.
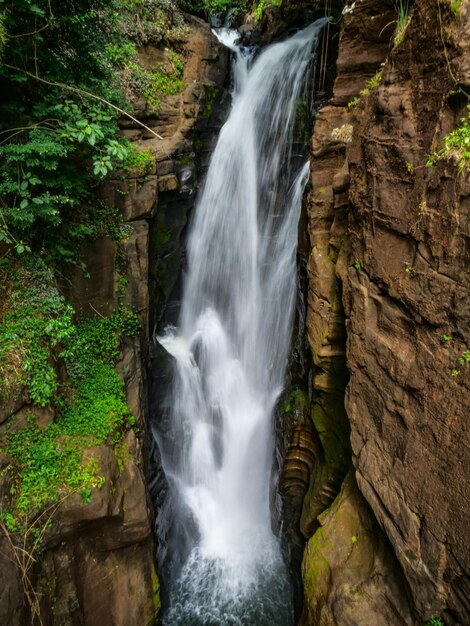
[(95, 563), (388, 299)]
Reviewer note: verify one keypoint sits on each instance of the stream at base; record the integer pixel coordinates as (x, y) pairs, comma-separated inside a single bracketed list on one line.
[(231, 348)]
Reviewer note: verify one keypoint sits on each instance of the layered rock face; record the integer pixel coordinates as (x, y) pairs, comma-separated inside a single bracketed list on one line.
[(409, 231), (389, 270)]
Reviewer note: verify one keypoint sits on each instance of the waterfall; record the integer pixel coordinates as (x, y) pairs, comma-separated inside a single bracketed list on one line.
[(231, 349)]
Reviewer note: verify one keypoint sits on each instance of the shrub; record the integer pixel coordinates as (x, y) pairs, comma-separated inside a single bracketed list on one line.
[(456, 146)]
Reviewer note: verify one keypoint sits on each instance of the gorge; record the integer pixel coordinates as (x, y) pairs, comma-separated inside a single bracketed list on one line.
[(314, 479)]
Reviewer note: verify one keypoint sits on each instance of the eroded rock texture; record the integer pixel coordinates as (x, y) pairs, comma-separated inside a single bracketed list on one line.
[(389, 264), (409, 231)]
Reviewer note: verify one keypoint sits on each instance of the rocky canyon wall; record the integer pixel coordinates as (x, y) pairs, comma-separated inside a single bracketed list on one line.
[(388, 326), (96, 563)]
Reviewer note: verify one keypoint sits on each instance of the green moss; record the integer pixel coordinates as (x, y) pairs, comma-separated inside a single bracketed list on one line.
[(372, 83), (162, 236), (166, 80), (456, 146), (47, 463), (36, 323), (295, 400), (316, 565), (156, 595), (138, 163), (198, 143), (212, 94)]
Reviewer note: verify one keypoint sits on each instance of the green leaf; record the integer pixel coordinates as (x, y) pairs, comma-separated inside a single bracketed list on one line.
[(34, 8)]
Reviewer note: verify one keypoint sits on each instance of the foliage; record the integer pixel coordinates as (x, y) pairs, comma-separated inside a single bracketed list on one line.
[(46, 462), (42, 176), (354, 103), (56, 143), (38, 321), (372, 83), (435, 621), (63, 67), (151, 21), (165, 81), (138, 162), (455, 6), (456, 146), (262, 4), (403, 8), (213, 7)]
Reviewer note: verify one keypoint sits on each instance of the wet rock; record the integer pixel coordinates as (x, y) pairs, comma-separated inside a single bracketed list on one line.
[(349, 573)]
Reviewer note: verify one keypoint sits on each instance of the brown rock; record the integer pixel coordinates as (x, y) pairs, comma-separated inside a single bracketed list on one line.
[(349, 572), (136, 198), (407, 224), (94, 289), (134, 250)]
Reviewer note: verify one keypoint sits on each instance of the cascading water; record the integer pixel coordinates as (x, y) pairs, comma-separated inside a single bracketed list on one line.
[(230, 353)]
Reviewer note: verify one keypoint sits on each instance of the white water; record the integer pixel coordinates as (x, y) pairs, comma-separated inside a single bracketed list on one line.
[(231, 351)]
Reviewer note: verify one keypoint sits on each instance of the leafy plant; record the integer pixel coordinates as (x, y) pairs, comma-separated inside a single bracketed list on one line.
[(465, 358), (165, 81), (403, 9), (435, 621), (372, 83), (456, 146), (138, 162), (91, 410), (354, 103), (38, 321), (262, 4)]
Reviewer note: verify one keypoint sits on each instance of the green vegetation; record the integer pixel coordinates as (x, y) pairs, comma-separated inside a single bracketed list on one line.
[(212, 7), (435, 621), (354, 103), (138, 163), (372, 83), (167, 80), (465, 358), (262, 4), (37, 331), (456, 146), (403, 20), (455, 6), (67, 70)]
